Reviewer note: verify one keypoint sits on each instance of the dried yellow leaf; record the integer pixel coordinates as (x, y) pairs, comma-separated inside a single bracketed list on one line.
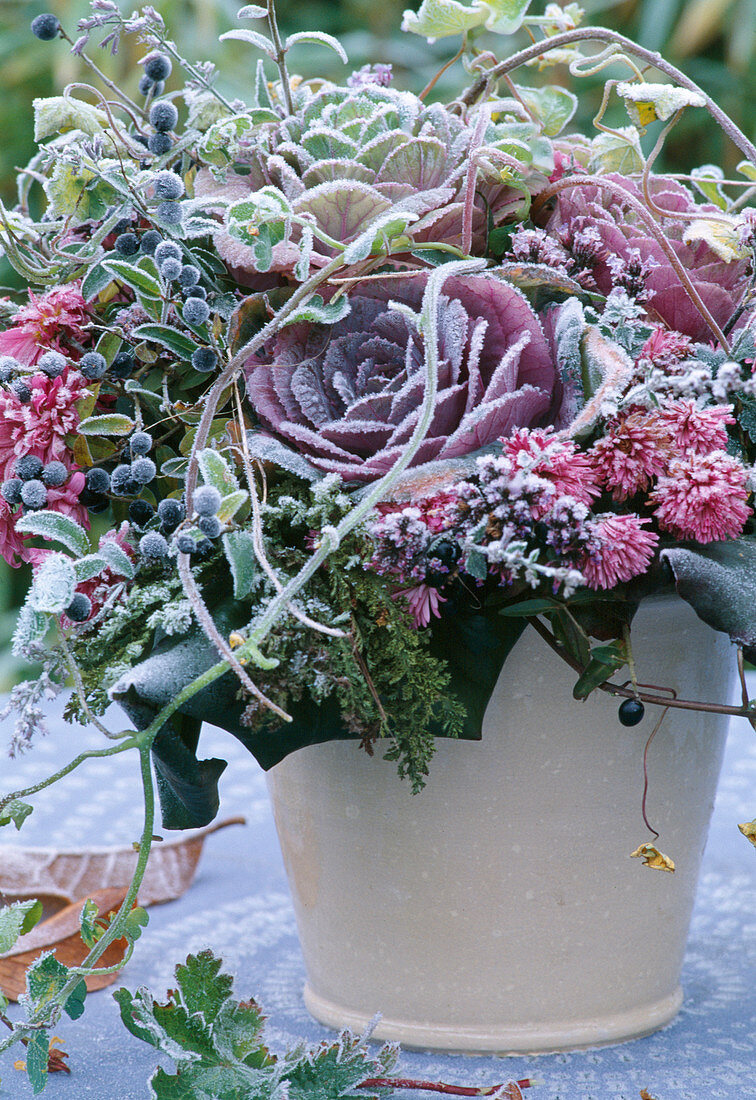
[(653, 858), (748, 829), (645, 1095)]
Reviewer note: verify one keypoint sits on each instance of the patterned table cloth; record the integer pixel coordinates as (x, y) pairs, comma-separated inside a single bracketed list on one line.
[(239, 906)]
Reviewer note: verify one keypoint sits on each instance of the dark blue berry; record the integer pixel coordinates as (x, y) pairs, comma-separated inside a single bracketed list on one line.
[(149, 242), (203, 548), (140, 443), (190, 275), (158, 67), (28, 467), (52, 363), (46, 26), (153, 546), (119, 480), (141, 512), (122, 366), (11, 490), (207, 500), (168, 185), (210, 526), (185, 543), (93, 366), (80, 608), (167, 250), (142, 139), (33, 494), (127, 244), (8, 367), (195, 311), (98, 480), (195, 292), (631, 712), (159, 144), (22, 391), (143, 470), (163, 116), (170, 213), (145, 85), (97, 504), (204, 360), (170, 269), (171, 512), (54, 475)]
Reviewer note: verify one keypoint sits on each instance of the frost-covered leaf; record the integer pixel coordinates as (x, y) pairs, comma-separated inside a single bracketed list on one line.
[(342, 207), (54, 525), (440, 18), (747, 169), (37, 1057), (168, 337), (721, 236), (15, 811), (45, 978), (618, 152), (231, 504), (252, 11), (16, 920), (216, 471), (267, 448), (320, 312), (505, 16), (88, 567), (95, 281), (319, 38), (646, 102), (116, 558), (253, 38), (137, 278), (378, 236), (240, 554), (58, 114), (79, 194), (53, 585), (707, 178), (107, 424), (551, 105), (604, 662)]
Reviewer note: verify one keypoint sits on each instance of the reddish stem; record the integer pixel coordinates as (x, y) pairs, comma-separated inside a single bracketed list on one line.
[(439, 1086)]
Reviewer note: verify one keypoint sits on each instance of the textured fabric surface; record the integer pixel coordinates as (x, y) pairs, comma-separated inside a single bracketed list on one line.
[(239, 905)]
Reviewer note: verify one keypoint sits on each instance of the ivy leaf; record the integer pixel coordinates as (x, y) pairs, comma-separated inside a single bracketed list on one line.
[(58, 114), (551, 105), (135, 921), (15, 811), (45, 978), (619, 152), (90, 931), (380, 232)]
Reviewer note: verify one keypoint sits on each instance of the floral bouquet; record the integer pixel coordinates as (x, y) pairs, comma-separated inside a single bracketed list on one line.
[(318, 397)]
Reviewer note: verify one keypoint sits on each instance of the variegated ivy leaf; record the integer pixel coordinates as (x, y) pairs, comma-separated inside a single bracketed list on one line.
[(378, 236), (619, 152), (646, 102), (505, 16), (261, 221), (54, 584), (222, 142), (551, 105), (58, 114), (721, 237), (79, 194), (441, 18)]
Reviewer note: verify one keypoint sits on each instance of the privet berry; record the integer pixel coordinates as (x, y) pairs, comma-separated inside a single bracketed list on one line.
[(11, 490), (207, 500), (122, 366), (97, 480), (8, 367), (204, 360), (127, 244), (52, 363), (120, 479), (185, 543), (190, 275), (170, 213), (153, 546), (158, 67), (163, 116), (168, 185), (80, 608), (167, 250), (143, 470), (170, 269), (170, 512), (33, 494), (140, 443), (93, 366), (21, 390), (631, 712), (141, 512), (195, 311), (149, 241), (195, 292), (54, 475), (28, 467), (159, 144), (210, 526), (46, 26)]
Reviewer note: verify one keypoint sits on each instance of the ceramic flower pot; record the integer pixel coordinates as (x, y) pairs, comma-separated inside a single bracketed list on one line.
[(499, 910)]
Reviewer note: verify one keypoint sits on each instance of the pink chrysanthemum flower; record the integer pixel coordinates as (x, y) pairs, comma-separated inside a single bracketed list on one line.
[(622, 550), (694, 430), (703, 497), (39, 425), (47, 323), (11, 542), (13, 548), (665, 348), (423, 601), (636, 448), (557, 461)]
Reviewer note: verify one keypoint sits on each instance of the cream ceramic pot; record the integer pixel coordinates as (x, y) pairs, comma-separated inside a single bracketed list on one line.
[(499, 910)]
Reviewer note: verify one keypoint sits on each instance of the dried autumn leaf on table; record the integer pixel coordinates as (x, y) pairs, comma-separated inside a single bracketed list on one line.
[(653, 858)]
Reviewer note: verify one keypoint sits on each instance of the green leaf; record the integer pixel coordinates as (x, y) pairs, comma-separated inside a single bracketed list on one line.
[(747, 169), (90, 932), (15, 811), (551, 105), (619, 152), (74, 1006), (318, 38), (136, 277), (168, 337), (240, 555), (13, 921), (377, 236), (58, 114), (136, 919), (37, 1054), (259, 41), (107, 424), (476, 565), (231, 504), (45, 978), (717, 581), (33, 917), (604, 662), (217, 472), (53, 585), (90, 566), (252, 11), (506, 16), (441, 18), (116, 558), (95, 281), (204, 989), (320, 313)]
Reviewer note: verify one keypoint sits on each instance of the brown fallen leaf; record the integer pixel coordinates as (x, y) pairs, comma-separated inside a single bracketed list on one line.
[(645, 1095), (748, 829), (652, 857), (58, 877), (60, 934)]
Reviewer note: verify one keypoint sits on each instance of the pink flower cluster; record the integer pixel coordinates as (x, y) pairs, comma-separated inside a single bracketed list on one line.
[(48, 323)]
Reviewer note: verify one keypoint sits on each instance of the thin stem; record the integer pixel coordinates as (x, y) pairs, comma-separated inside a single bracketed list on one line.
[(106, 80), (655, 231), (603, 34), (280, 57), (432, 82), (73, 668), (653, 734), (90, 754)]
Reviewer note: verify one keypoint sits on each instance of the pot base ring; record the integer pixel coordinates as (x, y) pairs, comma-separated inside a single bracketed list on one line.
[(502, 1040)]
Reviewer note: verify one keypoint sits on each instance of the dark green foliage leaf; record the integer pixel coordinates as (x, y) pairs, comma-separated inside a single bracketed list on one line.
[(32, 917), (97, 278), (15, 811), (45, 978), (74, 1006), (135, 921), (15, 920), (203, 988), (718, 582), (168, 337), (604, 661), (36, 1060)]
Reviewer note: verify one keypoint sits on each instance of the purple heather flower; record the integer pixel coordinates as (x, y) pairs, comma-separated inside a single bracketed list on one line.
[(349, 395)]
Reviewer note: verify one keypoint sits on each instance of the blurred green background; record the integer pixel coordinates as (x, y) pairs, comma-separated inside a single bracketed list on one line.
[(713, 41)]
